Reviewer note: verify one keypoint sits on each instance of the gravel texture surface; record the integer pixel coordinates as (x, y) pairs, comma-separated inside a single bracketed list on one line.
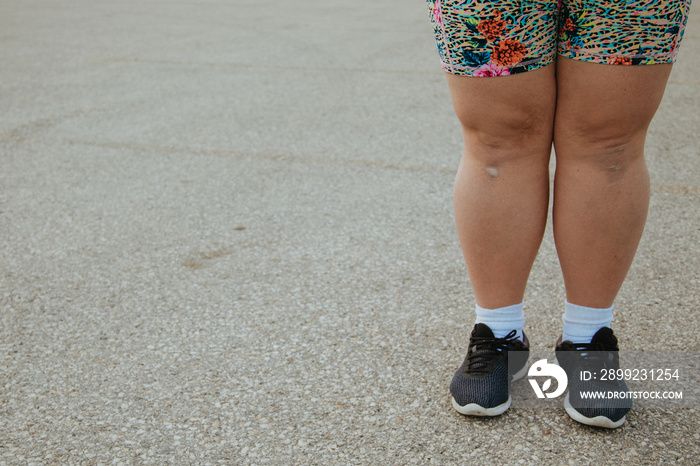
[(226, 237)]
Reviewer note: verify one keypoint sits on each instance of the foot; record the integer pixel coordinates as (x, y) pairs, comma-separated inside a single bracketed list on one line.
[(481, 386), (594, 361)]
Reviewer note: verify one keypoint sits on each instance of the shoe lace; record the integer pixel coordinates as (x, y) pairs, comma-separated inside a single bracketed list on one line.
[(483, 350)]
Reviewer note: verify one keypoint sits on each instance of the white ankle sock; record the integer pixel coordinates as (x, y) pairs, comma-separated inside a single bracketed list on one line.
[(581, 323), (503, 320)]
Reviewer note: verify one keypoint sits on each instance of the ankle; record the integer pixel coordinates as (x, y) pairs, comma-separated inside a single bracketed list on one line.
[(581, 323), (503, 320)]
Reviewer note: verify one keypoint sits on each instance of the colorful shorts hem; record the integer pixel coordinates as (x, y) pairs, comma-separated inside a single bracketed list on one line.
[(617, 59), (492, 69)]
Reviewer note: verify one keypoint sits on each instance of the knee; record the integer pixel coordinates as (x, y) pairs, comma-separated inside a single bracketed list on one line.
[(507, 139), (608, 146)]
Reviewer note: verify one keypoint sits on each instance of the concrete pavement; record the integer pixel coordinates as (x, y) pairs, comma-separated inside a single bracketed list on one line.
[(226, 237)]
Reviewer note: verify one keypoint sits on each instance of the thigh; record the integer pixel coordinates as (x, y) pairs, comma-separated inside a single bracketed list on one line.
[(605, 105), (506, 117), (488, 38)]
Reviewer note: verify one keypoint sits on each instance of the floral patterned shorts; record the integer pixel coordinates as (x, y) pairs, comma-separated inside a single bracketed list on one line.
[(499, 37)]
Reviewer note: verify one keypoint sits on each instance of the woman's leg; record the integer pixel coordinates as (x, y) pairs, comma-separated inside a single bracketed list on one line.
[(502, 186), (601, 185), (501, 198), (601, 196)]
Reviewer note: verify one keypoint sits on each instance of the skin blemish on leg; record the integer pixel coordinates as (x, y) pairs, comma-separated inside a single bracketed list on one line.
[(493, 171)]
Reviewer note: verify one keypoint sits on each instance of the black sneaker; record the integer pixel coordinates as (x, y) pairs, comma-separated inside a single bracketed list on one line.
[(481, 385), (596, 397)]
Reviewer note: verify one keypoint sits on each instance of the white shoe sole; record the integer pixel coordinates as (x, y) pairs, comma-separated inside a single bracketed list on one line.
[(598, 421), (473, 409)]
